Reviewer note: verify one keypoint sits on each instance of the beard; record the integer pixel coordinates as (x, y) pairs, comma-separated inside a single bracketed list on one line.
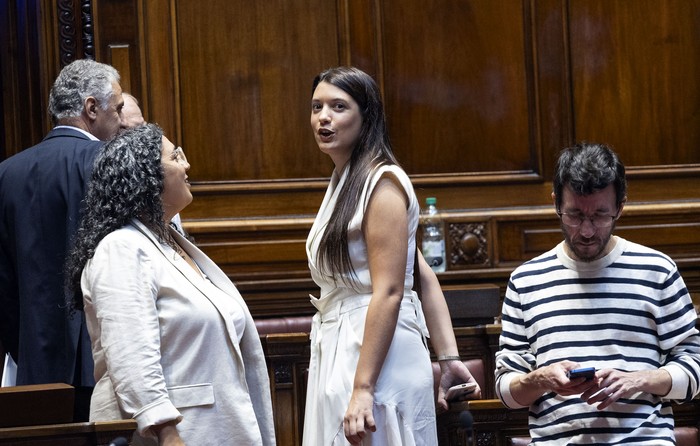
[(587, 249)]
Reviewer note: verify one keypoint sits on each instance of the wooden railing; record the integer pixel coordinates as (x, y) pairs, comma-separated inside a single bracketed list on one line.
[(68, 434), (41, 414)]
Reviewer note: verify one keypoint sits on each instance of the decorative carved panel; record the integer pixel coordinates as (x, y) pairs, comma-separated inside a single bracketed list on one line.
[(76, 33), (469, 244)]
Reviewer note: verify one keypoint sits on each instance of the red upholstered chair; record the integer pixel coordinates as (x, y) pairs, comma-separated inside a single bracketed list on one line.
[(291, 324), (687, 436)]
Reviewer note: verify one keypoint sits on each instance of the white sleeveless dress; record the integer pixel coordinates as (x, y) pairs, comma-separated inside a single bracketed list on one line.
[(404, 406)]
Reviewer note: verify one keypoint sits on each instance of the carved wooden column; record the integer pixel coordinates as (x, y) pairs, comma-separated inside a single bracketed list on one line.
[(76, 36)]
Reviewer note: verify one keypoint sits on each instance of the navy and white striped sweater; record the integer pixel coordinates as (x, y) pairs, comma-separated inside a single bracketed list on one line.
[(629, 310)]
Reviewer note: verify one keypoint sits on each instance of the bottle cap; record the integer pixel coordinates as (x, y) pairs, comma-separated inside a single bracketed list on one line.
[(430, 200)]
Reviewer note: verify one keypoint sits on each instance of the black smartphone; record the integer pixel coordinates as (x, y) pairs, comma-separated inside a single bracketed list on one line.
[(587, 372)]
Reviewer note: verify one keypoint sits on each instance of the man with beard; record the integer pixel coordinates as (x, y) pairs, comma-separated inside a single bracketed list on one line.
[(601, 302)]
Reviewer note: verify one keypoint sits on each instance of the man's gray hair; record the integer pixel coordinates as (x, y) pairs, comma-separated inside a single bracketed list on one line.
[(76, 82)]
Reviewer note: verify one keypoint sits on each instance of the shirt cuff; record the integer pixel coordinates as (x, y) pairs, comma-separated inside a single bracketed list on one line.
[(506, 396), (679, 382), (157, 413)]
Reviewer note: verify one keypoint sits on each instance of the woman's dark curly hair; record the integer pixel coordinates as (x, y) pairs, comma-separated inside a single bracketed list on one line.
[(126, 183)]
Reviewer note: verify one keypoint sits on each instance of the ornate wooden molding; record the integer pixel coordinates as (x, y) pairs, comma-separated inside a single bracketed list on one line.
[(69, 22), (469, 243), (66, 24), (485, 438), (283, 372), (88, 30)]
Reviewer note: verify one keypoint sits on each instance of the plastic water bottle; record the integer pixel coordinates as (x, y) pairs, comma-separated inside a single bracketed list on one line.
[(433, 242)]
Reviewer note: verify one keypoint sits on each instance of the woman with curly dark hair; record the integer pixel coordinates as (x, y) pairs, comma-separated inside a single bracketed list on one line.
[(174, 344)]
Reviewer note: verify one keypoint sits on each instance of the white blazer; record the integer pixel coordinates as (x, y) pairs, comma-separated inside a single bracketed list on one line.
[(166, 348)]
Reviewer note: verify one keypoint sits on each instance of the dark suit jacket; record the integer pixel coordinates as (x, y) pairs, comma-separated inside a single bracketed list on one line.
[(41, 189)]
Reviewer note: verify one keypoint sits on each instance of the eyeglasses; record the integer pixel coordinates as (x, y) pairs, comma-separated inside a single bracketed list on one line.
[(600, 221), (179, 155)]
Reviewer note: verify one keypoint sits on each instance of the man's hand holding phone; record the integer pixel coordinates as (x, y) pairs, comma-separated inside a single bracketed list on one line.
[(587, 372)]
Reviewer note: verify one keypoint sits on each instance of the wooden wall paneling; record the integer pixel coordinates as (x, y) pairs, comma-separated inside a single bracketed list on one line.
[(253, 157), (159, 64), (480, 97), (278, 297), (635, 67), (457, 91), (118, 42), (245, 200), (691, 277), (37, 74), (677, 184), (522, 237), (28, 66), (457, 198), (673, 228), (119, 56), (265, 258), (361, 30), (246, 71), (280, 243), (9, 130), (553, 82)]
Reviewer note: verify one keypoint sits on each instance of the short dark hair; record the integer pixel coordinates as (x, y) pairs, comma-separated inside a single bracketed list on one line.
[(587, 168)]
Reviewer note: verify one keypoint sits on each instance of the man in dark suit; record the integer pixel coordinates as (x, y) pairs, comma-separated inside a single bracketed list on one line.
[(41, 189)]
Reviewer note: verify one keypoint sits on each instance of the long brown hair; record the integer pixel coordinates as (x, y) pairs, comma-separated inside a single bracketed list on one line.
[(373, 149)]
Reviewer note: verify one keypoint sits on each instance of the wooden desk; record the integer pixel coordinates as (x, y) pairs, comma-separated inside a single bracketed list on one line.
[(68, 434), (36, 404)]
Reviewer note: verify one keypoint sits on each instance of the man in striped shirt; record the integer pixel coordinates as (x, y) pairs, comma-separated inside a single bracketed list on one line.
[(597, 300)]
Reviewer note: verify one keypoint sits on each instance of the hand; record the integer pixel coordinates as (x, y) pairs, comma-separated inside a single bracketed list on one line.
[(359, 416), (452, 373), (173, 441), (611, 385), (168, 435), (551, 378), (554, 378)]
